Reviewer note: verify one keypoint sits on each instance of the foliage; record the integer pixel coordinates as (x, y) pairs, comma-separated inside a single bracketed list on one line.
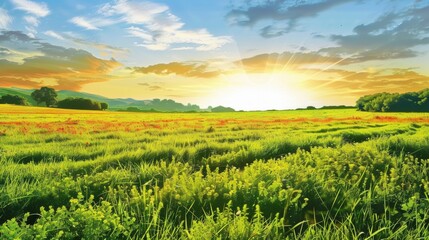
[(104, 106), (81, 220), (395, 102), (337, 107), (81, 103), (45, 94), (311, 174), (13, 99)]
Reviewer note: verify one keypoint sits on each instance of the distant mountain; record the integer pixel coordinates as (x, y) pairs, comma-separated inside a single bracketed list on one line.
[(114, 103)]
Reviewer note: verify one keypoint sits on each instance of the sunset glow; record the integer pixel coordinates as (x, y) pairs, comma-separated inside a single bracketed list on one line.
[(250, 55)]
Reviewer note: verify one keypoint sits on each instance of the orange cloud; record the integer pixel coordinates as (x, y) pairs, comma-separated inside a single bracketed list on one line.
[(193, 70), (289, 60), (351, 84), (62, 68)]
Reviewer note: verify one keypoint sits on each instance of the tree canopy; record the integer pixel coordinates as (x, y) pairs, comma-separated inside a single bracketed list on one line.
[(395, 102), (82, 103), (13, 99), (45, 95)]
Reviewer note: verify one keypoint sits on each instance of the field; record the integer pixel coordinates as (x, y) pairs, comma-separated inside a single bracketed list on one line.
[(311, 174)]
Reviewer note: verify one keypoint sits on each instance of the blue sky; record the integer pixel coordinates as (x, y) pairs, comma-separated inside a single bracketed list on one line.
[(249, 54)]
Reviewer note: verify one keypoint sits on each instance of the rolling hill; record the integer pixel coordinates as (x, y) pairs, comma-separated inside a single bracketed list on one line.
[(114, 103)]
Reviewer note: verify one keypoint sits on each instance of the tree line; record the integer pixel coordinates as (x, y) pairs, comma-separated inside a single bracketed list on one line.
[(13, 99), (48, 96), (395, 102)]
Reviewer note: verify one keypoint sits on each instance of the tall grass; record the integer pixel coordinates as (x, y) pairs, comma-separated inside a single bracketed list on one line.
[(332, 174)]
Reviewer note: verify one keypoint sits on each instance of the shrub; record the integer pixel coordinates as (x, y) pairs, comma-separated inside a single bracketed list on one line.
[(13, 99), (81, 103), (395, 102)]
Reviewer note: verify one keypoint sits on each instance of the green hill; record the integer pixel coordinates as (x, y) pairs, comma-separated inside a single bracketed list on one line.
[(114, 103), (117, 103), (25, 93)]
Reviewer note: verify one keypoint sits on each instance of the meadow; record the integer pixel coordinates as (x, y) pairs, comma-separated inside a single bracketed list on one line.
[(309, 174)]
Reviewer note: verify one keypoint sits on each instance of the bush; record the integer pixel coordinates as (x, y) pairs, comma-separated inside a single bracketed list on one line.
[(81, 103), (13, 99), (395, 102)]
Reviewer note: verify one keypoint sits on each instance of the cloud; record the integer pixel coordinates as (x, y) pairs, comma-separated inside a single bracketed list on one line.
[(34, 8), (391, 36), (193, 70), (14, 36), (92, 23), (5, 19), (354, 84), (62, 68), (32, 20), (286, 60), (82, 22), (284, 13), (4, 51), (35, 11), (152, 23), (54, 35), (151, 87), (104, 49), (162, 40)]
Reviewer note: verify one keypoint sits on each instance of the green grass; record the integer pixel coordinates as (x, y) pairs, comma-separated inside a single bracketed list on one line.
[(319, 174)]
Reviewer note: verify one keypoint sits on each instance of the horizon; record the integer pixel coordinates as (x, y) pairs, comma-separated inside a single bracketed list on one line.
[(248, 55), (185, 103)]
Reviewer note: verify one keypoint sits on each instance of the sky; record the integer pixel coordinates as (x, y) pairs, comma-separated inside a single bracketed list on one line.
[(245, 54)]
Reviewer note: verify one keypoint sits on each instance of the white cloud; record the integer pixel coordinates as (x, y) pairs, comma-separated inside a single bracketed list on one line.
[(54, 35), (157, 27), (82, 22), (31, 31), (154, 46), (32, 20), (202, 39), (92, 23), (37, 9), (5, 19), (140, 33), (182, 48), (103, 49)]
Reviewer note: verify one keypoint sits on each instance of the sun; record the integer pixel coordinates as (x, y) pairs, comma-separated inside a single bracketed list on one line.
[(262, 91)]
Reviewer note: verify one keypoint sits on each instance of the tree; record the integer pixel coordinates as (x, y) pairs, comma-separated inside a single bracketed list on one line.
[(46, 95), (395, 102), (13, 99), (104, 106), (79, 103)]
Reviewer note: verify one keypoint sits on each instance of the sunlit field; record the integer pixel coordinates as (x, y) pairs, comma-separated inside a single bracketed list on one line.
[(310, 174)]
